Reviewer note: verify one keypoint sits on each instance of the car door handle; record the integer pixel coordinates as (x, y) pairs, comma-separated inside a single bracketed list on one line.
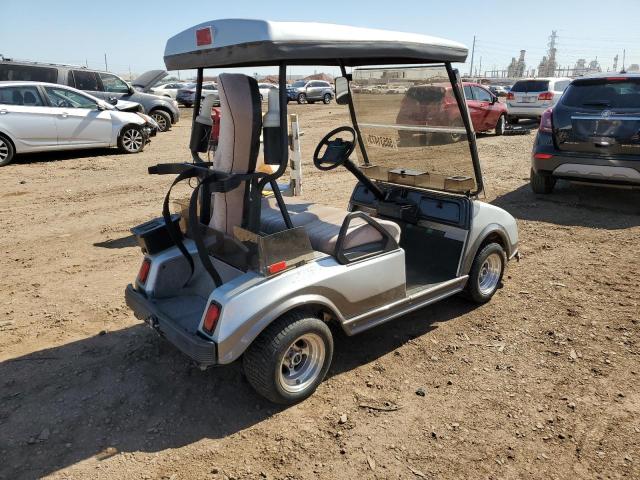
[(64, 114), (4, 112)]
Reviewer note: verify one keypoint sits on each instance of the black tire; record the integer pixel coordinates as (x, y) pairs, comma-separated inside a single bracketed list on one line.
[(131, 139), (541, 183), (326, 99), (488, 254), (500, 126), (7, 151), (264, 360), (163, 119), (513, 120), (301, 98)]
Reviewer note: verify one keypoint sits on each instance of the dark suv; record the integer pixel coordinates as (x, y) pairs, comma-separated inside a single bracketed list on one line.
[(103, 85), (591, 135)]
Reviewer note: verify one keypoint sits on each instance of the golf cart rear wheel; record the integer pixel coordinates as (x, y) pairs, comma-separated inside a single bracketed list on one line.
[(486, 273), (541, 183), (302, 98), (6, 151), (290, 358), (131, 139), (163, 119)]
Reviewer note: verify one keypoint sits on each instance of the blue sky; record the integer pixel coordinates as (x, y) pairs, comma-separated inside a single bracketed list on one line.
[(133, 34)]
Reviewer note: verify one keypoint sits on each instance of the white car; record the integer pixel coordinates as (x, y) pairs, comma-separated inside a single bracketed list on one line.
[(264, 90), (38, 116), (529, 98), (168, 89)]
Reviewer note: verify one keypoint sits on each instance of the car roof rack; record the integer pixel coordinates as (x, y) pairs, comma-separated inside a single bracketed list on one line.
[(241, 42), (31, 62)]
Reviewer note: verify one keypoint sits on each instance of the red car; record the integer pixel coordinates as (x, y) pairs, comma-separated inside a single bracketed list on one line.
[(434, 105)]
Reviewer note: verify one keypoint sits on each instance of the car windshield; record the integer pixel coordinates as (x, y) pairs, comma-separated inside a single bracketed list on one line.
[(525, 86), (413, 135), (299, 83), (603, 93)]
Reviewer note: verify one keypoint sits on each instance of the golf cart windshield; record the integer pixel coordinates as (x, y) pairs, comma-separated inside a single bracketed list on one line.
[(412, 128)]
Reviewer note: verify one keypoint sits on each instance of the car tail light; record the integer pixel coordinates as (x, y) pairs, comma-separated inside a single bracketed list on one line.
[(144, 271), (510, 96), (211, 318), (542, 156), (617, 79), (546, 121), (545, 96)]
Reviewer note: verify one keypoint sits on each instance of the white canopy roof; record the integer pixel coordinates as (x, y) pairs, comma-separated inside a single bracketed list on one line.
[(240, 42)]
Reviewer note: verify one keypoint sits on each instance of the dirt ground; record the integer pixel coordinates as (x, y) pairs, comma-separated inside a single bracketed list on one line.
[(542, 382)]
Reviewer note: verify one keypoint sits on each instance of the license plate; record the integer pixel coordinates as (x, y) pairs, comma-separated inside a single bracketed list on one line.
[(528, 99)]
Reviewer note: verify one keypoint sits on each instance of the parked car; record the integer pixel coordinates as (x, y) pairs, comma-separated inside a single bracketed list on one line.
[(168, 89), (435, 104), (592, 134), (38, 116), (311, 91), (187, 96), (531, 97), (264, 90), (100, 84), (499, 90)]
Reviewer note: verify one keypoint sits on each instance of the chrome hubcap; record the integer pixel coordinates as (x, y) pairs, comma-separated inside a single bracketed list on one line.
[(161, 121), (490, 274), (132, 140), (302, 363), (4, 150)]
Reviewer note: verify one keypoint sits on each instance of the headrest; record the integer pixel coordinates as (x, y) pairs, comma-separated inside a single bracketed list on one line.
[(240, 123)]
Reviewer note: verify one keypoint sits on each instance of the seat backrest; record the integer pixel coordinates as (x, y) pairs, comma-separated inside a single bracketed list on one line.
[(238, 145)]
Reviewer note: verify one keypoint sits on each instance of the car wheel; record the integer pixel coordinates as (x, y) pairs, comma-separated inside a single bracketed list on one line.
[(541, 183), (486, 273), (290, 358), (131, 139), (326, 99), (513, 120), (500, 125), (163, 119), (302, 98), (7, 151)]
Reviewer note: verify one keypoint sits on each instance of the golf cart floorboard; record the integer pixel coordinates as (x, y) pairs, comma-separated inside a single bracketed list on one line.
[(185, 310)]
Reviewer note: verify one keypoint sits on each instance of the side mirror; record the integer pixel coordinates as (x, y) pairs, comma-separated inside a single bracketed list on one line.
[(113, 101), (342, 91)]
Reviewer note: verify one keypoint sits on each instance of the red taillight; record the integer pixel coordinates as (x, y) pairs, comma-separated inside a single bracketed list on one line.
[(510, 96), (276, 267), (545, 96), (617, 79), (144, 271), (546, 121), (542, 156), (211, 318)]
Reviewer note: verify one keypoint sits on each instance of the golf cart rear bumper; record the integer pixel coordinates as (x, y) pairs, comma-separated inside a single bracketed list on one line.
[(202, 351)]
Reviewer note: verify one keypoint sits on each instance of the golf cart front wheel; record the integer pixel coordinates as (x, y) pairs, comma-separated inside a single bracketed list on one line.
[(131, 140), (486, 273), (290, 358)]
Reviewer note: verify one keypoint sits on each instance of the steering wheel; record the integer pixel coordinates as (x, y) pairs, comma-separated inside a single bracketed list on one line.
[(337, 151)]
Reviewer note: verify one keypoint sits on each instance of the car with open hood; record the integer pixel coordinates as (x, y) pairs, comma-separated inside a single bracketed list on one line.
[(39, 116), (237, 275), (100, 84)]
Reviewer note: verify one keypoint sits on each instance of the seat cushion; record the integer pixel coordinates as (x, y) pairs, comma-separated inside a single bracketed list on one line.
[(323, 224)]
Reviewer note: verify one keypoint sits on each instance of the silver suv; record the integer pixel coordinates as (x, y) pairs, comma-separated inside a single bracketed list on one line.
[(103, 85), (311, 91)]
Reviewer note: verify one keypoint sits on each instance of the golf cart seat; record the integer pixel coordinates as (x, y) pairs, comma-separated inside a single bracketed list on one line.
[(238, 147), (323, 225)]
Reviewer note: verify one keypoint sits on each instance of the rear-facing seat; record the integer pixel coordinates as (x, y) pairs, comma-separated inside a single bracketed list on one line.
[(323, 224)]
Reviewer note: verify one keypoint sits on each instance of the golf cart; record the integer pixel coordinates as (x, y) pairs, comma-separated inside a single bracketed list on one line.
[(239, 274)]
